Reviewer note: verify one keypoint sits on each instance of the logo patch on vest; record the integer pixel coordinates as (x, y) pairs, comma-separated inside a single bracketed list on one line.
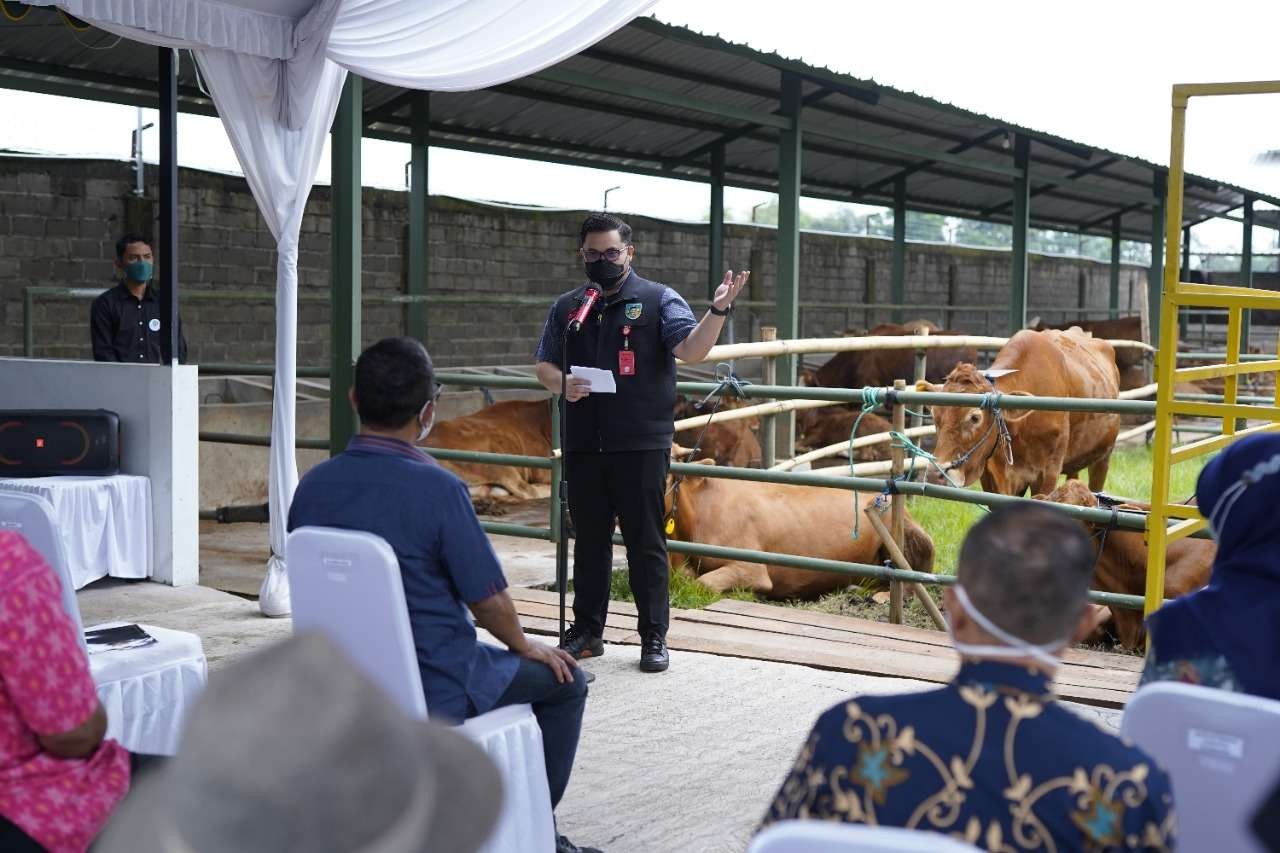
[(632, 310)]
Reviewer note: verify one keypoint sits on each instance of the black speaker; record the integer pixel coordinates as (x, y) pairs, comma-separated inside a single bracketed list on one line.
[(48, 443)]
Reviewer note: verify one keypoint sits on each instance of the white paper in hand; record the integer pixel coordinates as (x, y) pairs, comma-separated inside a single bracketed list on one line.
[(601, 380)]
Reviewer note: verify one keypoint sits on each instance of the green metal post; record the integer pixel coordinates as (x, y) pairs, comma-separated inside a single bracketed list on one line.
[(419, 212), (1021, 221), (344, 344), (1114, 302), (1155, 277), (1246, 269), (898, 279), (788, 275), (715, 233)]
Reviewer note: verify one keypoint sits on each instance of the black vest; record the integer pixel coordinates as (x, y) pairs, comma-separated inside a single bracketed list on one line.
[(640, 415)]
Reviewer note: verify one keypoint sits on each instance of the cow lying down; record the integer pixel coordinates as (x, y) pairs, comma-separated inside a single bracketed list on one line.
[(803, 520), (1122, 565), (518, 427)]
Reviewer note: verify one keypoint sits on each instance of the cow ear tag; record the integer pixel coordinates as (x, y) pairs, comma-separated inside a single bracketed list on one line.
[(671, 526)]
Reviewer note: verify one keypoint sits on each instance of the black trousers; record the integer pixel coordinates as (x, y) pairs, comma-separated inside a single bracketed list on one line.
[(629, 486)]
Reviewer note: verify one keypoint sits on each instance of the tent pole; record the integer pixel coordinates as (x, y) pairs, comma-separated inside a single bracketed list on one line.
[(1021, 222), (898, 278), (167, 236), (715, 234), (1155, 278), (1114, 302), (345, 280), (419, 217), (1246, 269), (788, 276)]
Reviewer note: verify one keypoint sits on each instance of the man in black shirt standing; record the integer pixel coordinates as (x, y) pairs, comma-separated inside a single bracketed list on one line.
[(618, 445), (124, 322)]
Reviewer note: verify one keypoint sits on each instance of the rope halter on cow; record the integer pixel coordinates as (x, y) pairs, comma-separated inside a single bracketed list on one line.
[(725, 379), (990, 402)]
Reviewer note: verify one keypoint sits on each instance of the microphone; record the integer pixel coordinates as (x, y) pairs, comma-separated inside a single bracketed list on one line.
[(584, 310)]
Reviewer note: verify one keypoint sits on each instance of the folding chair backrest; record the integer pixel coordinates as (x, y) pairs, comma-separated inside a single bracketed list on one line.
[(813, 836), (32, 516), (1222, 752), (346, 584)]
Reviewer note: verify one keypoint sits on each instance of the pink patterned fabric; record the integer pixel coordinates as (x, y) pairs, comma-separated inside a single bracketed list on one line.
[(46, 688)]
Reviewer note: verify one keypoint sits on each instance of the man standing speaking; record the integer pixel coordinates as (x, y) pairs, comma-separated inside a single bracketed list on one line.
[(618, 445)]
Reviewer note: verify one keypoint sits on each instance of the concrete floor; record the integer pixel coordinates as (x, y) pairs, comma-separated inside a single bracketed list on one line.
[(685, 760)]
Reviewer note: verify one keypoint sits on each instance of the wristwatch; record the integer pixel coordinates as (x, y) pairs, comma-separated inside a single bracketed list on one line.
[(725, 313)]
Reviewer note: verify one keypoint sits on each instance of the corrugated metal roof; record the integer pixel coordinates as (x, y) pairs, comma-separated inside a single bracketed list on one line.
[(655, 98)]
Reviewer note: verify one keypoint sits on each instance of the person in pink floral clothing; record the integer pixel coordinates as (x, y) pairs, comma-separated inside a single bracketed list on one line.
[(60, 780)]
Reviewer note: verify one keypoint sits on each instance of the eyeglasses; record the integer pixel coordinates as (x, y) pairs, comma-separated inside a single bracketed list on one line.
[(435, 394), (611, 255)]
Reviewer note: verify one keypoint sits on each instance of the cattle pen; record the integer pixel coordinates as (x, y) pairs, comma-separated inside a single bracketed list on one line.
[(776, 399)]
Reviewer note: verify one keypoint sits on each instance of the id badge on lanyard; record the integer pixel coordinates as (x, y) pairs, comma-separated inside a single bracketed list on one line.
[(626, 357)]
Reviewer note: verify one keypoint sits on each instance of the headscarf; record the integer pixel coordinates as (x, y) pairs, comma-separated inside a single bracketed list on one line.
[(1237, 616)]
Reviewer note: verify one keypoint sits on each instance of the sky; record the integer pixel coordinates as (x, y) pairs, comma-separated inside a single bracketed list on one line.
[(1091, 71)]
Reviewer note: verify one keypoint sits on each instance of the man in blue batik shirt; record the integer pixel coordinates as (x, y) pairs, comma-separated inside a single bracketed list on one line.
[(385, 485), (992, 758)]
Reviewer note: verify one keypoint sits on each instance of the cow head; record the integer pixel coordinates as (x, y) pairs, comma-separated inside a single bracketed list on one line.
[(966, 436)]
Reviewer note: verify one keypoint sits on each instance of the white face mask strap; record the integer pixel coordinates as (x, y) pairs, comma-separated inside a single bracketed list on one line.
[(424, 430), (1014, 646)]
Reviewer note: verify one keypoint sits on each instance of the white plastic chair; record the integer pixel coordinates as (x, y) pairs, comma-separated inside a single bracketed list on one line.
[(1222, 754), (146, 692), (347, 584), (815, 836)]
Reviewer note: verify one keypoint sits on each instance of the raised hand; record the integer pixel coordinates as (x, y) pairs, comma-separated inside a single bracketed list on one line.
[(729, 289)]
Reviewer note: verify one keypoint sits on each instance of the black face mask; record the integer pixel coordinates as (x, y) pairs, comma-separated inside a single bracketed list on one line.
[(604, 273)]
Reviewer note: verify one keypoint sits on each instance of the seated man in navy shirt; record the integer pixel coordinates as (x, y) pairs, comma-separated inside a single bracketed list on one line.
[(991, 758), (385, 485)]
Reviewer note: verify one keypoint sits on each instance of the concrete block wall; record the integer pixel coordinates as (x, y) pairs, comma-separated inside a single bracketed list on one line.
[(59, 219)]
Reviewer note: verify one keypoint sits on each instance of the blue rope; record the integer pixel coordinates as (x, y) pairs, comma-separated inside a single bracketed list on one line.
[(870, 400)]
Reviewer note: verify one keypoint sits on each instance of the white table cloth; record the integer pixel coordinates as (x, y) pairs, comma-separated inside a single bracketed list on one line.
[(147, 692), (104, 522), (511, 738)]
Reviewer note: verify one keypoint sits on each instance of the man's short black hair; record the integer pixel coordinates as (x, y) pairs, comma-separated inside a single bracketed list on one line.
[(394, 380), (597, 222), (1027, 569), (129, 239)]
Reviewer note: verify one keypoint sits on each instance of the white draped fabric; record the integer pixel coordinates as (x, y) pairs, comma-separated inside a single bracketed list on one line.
[(275, 69), (111, 517), (280, 167), (458, 45)]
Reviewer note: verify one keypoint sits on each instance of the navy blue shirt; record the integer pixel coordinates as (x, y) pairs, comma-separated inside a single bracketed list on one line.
[(392, 489), (991, 759)]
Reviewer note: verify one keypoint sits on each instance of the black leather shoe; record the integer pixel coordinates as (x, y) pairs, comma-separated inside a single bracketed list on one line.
[(581, 644), (653, 654), (564, 845)]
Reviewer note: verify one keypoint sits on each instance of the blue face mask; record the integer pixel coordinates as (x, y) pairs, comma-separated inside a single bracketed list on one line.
[(139, 271)]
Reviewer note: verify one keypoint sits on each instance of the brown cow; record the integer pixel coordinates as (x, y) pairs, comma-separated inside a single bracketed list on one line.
[(731, 443), (879, 368), (1130, 361), (829, 425), (803, 520), (1044, 444), (1122, 565), (519, 427)]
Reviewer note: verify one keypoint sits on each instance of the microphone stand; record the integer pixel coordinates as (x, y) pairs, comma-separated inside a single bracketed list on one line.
[(562, 541)]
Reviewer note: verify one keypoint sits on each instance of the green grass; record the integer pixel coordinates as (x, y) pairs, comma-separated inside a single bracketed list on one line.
[(947, 522), (1129, 477)]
